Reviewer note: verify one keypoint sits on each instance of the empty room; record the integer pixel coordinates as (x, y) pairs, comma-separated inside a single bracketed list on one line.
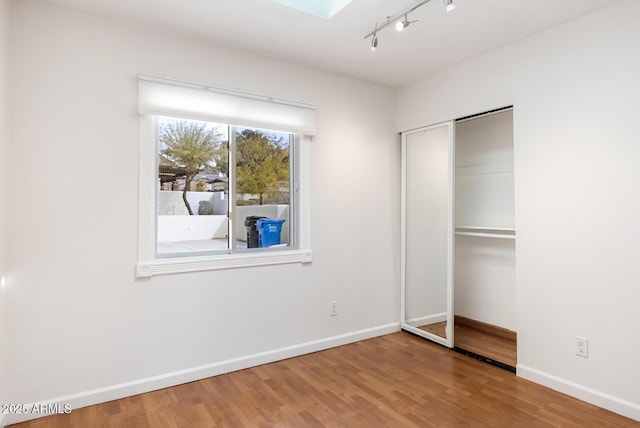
[(319, 213)]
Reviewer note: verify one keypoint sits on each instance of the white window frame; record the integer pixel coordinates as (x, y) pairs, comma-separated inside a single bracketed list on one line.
[(149, 264)]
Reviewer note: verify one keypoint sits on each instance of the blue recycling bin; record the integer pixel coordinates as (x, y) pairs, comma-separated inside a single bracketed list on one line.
[(252, 230), (269, 231)]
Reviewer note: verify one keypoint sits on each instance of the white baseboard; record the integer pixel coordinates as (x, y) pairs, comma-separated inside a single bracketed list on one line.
[(598, 398), (114, 392)]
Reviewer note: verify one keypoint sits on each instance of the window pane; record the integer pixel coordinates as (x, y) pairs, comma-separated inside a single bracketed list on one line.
[(193, 186), (262, 188)]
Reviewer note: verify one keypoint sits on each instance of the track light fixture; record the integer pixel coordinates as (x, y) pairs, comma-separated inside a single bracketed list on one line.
[(449, 5), (401, 21), (401, 25), (374, 41)]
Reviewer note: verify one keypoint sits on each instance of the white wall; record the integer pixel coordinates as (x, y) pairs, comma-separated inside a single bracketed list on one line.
[(575, 90), (485, 278), (81, 320), (484, 171), (4, 344)]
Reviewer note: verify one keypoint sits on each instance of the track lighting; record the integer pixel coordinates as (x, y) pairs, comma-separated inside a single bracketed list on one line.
[(374, 44), (374, 41), (401, 21), (449, 4), (401, 25)]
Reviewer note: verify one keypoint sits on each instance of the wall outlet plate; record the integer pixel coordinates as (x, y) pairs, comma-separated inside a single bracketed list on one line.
[(333, 308), (582, 347)]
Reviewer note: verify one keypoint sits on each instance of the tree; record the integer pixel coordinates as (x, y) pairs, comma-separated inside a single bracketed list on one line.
[(190, 144), (262, 164)]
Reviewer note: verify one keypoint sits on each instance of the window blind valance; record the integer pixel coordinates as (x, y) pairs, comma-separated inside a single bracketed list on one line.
[(166, 97)]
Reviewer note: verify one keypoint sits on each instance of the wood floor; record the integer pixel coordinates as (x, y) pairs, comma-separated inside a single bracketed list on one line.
[(480, 342), (397, 380), (486, 344)]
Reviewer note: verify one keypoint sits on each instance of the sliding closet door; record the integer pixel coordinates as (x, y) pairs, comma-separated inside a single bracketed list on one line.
[(427, 232)]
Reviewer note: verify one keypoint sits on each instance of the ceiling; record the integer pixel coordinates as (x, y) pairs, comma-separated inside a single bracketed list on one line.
[(269, 28)]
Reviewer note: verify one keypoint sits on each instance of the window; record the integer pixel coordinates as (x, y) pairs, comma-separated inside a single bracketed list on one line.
[(214, 189), (220, 189)]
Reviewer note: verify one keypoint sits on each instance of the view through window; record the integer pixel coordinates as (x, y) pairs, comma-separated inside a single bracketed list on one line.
[(222, 188)]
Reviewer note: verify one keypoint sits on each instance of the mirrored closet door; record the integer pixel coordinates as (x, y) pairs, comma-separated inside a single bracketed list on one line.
[(427, 232)]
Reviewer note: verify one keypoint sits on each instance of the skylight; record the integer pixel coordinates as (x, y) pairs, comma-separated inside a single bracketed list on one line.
[(320, 8)]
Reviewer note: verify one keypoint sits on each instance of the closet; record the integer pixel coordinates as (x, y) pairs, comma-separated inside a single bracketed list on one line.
[(458, 235)]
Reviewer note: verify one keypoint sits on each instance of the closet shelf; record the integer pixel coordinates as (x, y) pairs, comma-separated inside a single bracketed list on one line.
[(487, 235), (483, 169), (487, 232), (488, 228)]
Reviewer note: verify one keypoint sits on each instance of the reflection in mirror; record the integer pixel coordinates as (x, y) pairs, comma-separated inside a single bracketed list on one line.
[(427, 232)]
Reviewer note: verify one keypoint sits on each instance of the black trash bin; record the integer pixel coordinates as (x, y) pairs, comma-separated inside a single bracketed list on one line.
[(252, 231)]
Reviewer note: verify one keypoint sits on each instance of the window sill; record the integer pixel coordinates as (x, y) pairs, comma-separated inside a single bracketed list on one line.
[(226, 261)]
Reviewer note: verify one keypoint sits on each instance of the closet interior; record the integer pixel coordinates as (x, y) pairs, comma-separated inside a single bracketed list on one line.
[(458, 232), (485, 237)]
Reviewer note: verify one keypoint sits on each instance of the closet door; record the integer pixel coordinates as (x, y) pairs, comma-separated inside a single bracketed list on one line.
[(427, 232)]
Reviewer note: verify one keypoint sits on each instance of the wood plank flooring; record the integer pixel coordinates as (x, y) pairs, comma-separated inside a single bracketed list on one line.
[(486, 344), (397, 380), (480, 342)]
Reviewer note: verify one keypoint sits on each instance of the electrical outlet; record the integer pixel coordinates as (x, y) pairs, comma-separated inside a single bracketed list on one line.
[(333, 308), (582, 347)]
